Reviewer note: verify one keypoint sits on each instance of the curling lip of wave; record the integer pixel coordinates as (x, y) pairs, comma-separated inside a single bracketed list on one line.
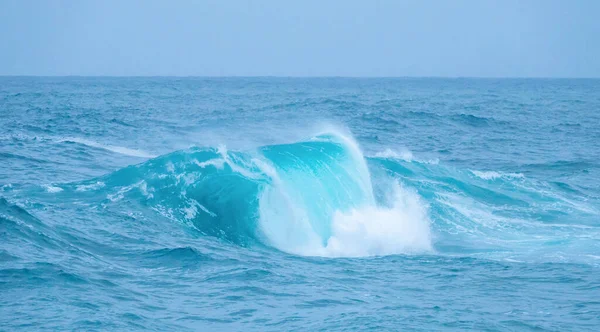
[(358, 224)]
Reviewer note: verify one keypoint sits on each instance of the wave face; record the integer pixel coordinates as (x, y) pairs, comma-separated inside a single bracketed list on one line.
[(313, 197), (322, 197)]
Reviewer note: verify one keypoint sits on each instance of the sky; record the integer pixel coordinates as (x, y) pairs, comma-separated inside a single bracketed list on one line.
[(462, 38)]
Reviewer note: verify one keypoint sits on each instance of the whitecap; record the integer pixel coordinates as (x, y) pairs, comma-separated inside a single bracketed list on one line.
[(493, 175), (53, 189)]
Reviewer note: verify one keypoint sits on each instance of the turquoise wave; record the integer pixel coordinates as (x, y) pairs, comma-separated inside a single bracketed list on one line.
[(312, 197), (323, 197)]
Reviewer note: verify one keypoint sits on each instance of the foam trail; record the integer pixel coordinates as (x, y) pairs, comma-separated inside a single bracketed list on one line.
[(404, 154), (493, 175), (92, 186), (112, 148)]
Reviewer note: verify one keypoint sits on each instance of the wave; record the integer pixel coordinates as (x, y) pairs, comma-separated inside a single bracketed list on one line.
[(322, 197), (313, 197), (112, 148), (461, 118), (470, 120)]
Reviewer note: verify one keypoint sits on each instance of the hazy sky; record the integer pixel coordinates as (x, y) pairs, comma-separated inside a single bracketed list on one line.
[(548, 38)]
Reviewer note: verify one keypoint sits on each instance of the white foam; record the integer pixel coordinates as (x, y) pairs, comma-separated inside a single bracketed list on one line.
[(145, 190), (93, 186), (222, 150), (512, 260), (377, 231), (284, 224), (112, 148), (170, 167), (207, 211), (187, 178), (403, 154), (367, 231), (473, 210), (121, 192), (191, 210), (493, 175), (217, 163), (52, 189)]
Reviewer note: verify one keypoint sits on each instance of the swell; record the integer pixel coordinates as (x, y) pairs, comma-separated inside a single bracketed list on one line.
[(313, 197), (323, 197), (459, 118)]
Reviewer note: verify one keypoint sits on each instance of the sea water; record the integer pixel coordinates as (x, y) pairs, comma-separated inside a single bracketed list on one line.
[(299, 204)]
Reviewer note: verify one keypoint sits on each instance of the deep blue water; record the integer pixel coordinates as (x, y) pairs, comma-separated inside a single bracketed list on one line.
[(299, 204)]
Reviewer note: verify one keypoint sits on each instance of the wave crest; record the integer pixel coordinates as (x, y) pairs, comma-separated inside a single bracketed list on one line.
[(313, 197)]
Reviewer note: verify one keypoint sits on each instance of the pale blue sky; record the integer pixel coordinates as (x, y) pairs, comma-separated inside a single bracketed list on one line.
[(503, 38)]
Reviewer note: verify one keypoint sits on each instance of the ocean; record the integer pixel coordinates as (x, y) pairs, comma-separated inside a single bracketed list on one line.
[(282, 204)]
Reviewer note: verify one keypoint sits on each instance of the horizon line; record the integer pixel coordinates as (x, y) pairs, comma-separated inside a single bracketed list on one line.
[(298, 77)]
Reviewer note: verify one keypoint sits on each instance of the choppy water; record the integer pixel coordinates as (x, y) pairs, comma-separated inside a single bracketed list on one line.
[(299, 204)]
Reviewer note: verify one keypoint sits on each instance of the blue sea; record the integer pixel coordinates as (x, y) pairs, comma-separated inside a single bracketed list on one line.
[(293, 204)]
